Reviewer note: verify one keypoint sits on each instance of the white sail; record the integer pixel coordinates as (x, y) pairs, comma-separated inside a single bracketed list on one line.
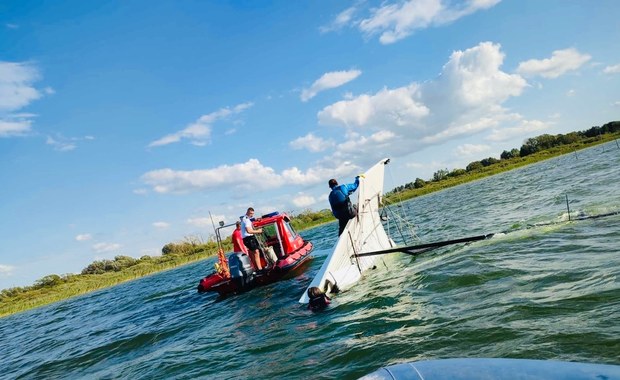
[(365, 233)]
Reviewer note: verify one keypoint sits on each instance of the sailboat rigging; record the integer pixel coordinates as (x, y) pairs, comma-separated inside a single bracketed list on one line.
[(365, 233)]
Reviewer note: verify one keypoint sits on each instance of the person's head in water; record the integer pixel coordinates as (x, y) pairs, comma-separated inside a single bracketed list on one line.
[(318, 299), (332, 183)]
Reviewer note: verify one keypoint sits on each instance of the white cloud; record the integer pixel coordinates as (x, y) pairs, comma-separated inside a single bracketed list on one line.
[(398, 107), (303, 200), (617, 104), (571, 92), (9, 127), (161, 225), (83, 237), (16, 92), (395, 21), (466, 98), (561, 62), (615, 69), (61, 146), (207, 221), (524, 128), (6, 270), (65, 144), (16, 85), (240, 176), (476, 77), (199, 132), (311, 143), (317, 174), (329, 80), (199, 222), (341, 20), (415, 165), (12, 26), (471, 149), (106, 247), (366, 149)]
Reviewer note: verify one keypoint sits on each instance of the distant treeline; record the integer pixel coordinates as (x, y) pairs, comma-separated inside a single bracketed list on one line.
[(309, 218), (107, 272), (191, 247), (529, 147), (104, 273)]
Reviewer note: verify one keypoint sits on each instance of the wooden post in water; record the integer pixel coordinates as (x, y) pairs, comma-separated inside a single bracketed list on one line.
[(568, 207)]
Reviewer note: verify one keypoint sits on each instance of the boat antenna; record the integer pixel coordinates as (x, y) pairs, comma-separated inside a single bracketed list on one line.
[(217, 232)]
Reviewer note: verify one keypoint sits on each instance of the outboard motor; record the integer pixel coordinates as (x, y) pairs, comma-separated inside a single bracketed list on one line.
[(241, 271)]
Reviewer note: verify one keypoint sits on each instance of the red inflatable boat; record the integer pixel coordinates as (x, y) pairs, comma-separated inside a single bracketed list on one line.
[(284, 254)]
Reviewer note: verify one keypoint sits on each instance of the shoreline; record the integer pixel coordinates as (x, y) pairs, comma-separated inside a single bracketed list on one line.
[(85, 284)]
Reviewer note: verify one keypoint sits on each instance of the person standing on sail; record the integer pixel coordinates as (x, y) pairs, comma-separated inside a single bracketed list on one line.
[(250, 241), (340, 203)]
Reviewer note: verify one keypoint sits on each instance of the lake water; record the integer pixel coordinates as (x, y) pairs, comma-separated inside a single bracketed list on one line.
[(539, 291)]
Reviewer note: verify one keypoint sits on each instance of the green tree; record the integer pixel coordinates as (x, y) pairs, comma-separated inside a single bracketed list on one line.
[(48, 281), (546, 141), (440, 175), (457, 172), (473, 166), (96, 267), (568, 138), (489, 161), (506, 155), (530, 146)]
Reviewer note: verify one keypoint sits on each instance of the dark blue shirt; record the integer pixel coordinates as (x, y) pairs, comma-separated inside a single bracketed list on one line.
[(338, 198)]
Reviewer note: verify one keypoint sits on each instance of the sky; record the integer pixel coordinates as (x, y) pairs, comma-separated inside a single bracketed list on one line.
[(126, 125)]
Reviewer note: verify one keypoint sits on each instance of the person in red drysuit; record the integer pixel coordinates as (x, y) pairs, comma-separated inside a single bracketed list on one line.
[(237, 240)]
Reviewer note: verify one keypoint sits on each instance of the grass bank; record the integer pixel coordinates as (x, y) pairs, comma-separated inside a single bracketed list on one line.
[(500, 167), (107, 273)]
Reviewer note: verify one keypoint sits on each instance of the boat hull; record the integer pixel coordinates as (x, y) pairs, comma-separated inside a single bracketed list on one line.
[(284, 268), (499, 369), (364, 233)]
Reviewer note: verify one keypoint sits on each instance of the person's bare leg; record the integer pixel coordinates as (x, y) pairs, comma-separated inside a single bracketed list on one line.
[(251, 256), (257, 259)]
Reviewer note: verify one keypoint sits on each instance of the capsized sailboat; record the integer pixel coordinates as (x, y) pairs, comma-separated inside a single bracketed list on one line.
[(365, 233)]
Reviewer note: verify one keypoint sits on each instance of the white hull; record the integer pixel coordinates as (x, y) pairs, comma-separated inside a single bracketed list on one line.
[(365, 233)]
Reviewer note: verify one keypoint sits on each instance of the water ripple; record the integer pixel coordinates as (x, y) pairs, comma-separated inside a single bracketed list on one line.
[(546, 288)]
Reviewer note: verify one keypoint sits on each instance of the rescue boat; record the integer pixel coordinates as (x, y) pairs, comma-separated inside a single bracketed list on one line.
[(284, 254)]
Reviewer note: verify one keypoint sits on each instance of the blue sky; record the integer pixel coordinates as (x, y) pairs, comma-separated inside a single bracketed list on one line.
[(123, 124)]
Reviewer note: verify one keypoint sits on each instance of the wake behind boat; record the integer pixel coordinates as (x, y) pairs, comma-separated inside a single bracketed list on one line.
[(364, 233)]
